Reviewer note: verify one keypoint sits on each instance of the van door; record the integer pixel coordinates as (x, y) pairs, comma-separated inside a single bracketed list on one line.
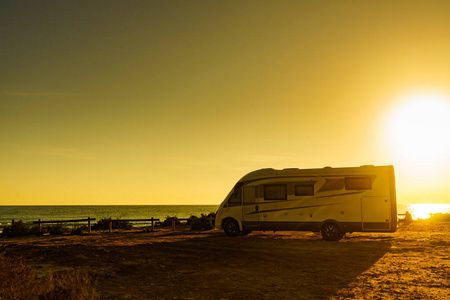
[(250, 207), (375, 213)]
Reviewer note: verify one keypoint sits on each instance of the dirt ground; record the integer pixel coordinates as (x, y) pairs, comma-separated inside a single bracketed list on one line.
[(413, 263)]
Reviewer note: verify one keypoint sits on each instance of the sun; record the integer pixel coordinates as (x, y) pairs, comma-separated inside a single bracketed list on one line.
[(418, 131)]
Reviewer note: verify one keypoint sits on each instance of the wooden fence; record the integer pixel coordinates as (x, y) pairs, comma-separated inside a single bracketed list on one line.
[(152, 220), (111, 221), (39, 222)]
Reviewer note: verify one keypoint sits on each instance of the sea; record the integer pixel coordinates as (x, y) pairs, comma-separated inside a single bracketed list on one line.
[(28, 214)]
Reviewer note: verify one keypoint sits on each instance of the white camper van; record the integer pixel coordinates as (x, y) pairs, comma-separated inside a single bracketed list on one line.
[(330, 200)]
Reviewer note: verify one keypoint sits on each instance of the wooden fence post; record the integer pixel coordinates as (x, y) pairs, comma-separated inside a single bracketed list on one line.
[(39, 225), (152, 225), (173, 224), (110, 225), (89, 224)]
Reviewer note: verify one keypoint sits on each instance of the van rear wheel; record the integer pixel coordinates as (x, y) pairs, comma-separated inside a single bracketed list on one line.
[(231, 227), (331, 232)]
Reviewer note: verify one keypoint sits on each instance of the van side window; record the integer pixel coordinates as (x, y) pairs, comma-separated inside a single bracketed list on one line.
[(332, 184), (275, 192), (250, 194), (358, 183), (235, 198), (304, 190)]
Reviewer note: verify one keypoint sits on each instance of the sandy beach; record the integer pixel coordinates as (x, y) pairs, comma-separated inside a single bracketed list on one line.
[(413, 263)]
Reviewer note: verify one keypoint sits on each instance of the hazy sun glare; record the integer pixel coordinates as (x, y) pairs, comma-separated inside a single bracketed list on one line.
[(424, 211), (418, 134)]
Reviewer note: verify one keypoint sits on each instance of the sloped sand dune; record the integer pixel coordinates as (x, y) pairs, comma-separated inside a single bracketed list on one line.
[(413, 263)]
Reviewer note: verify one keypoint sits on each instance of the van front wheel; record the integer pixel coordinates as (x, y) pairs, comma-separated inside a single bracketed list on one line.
[(231, 227), (331, 232)]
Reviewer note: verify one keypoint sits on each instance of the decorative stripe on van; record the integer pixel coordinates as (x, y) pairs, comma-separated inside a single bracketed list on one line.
[(290, 208), (337, 195)]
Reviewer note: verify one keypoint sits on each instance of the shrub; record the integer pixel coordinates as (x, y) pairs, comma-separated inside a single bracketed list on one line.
[(69, 285), (79, 229), (122, 225), (103, 224), (35, 230), (202, 223), (168, 221), (18, 281), (18, 228), (213, 216), (58, 229), (191, 220)]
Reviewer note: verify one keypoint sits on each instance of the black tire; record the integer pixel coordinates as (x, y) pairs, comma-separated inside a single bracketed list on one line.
[(331, 232), (231, 227)]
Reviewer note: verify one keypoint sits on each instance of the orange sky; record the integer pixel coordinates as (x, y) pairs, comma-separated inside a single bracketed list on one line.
[(171, 102)]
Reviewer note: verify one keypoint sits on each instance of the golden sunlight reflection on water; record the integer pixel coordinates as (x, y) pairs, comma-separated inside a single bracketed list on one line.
[(424, 211)]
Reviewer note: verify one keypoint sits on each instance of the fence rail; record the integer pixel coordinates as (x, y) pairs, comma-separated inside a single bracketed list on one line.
[(135, 220), (63, 221)]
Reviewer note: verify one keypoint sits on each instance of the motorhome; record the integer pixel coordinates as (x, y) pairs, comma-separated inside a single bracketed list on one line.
[(332, 201)]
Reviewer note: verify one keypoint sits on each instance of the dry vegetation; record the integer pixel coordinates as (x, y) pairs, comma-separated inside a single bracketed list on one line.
[(18, 280), (413, 263)]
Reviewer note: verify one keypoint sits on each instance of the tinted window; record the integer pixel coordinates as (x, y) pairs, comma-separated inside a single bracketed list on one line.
[(249, 195), (275, 192), (358, 183), (304, 190), (332, 184), (235, 199)]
